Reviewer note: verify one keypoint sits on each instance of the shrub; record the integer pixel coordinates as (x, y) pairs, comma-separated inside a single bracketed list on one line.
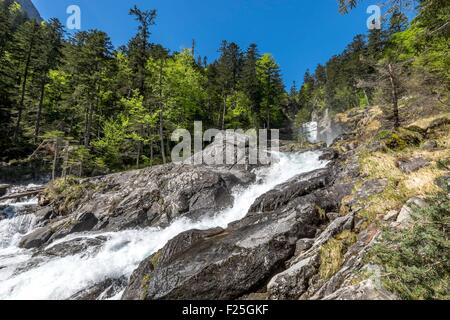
[(417, 259)]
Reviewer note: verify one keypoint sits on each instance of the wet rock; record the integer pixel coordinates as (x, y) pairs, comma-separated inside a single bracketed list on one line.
[(3, 189), (329, 154), (227, 264), (411, 165), (75, 246), (85, 221), (224, 265), (404, 217), (137, 199), (104, 290), (37, 238), (367, 290), (296, 187)]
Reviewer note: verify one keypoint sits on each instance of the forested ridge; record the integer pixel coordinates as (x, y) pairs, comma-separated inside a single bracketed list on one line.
[(103, 109)]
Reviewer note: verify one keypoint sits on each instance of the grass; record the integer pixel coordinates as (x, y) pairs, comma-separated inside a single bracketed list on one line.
[(65, 194), (332, 253)]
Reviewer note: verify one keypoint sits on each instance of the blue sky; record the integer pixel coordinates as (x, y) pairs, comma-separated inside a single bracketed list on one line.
[(299, 33)]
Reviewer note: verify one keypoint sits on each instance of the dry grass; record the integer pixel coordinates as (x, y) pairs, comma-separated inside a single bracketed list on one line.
[(425, 122), (332, 253)]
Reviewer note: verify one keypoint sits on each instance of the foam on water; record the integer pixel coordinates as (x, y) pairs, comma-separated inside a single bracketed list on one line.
[(60, 278)]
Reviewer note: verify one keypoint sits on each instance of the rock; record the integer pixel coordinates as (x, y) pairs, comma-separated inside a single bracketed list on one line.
[(411, 165), (391, 216), (404, 217), (217, 153), (444, 183), (228, 264), (153, 196), (331, 216), (329, 154), (366, 290), (75, 246), (303, 245), (3, 189), (101, 291), (296, 187), (225, 265), (371, 187), (437, 123), (376, 146), (85, 221), (293, 282), (37, 238), (430, 145)]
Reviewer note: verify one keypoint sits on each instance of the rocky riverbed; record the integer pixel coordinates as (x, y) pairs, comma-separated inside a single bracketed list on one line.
[(292, 230)]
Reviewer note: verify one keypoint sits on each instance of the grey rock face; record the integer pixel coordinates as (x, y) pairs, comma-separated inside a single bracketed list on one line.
[(141, 198), (411, 165), (37, 238), (104, 290), (228, 264), (372, 187)]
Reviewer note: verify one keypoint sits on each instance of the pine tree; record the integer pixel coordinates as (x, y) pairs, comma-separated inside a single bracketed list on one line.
[(50, 49), (269, 75), (25, 52), (249, 82)]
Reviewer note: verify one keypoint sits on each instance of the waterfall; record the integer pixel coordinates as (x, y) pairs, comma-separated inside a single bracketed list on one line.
[(322, 128), (121, 253)]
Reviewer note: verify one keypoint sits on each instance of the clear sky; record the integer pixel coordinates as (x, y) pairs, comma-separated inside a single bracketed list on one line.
[(299, 33)]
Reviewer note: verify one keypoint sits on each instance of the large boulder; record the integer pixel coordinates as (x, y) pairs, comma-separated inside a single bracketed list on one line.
[(228, 264), (136, 199), (36, 238)]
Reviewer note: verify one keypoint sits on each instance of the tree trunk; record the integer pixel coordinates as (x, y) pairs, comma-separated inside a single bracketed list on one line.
[(394, 87), (24, 85), (88, 126), (66, 159), (55, 158), (37, 128)]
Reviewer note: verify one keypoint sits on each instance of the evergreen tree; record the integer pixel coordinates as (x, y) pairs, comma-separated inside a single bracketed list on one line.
[(249, 82), (269, 76)]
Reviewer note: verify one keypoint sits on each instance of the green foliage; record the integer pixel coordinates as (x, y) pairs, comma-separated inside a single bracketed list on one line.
[(417, 259), (399, 139), (118, 107), (417, 53), (64, 194)]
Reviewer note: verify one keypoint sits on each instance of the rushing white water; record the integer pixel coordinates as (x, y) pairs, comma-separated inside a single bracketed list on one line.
[(60, 278)]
